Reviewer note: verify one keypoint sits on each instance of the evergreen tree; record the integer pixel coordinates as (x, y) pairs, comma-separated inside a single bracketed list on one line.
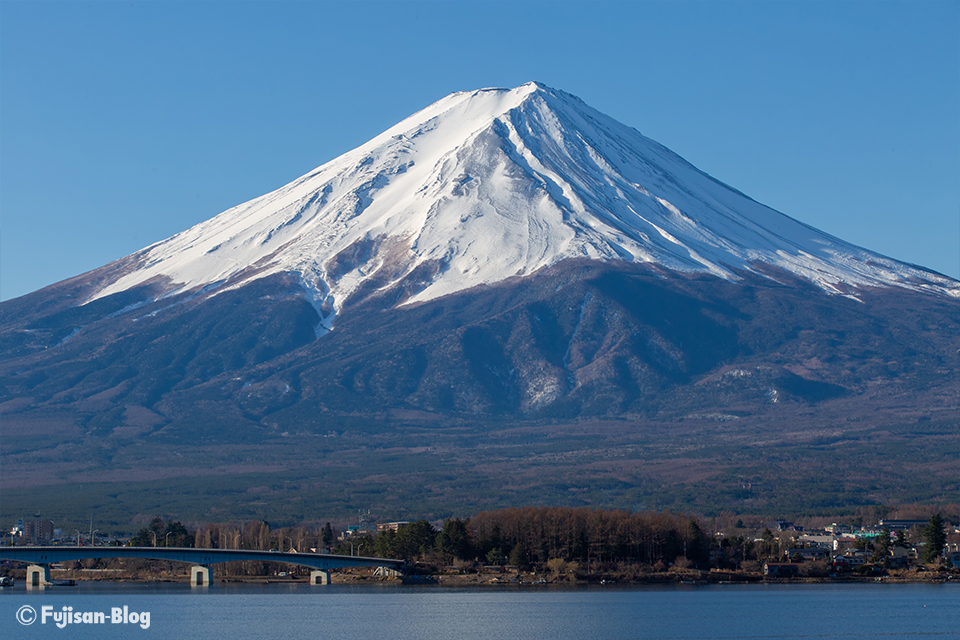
[(935, 537), (901, 540), (453, 539), (157, 534), (518, 557), (881, 547), (698, 545), (415, 539)]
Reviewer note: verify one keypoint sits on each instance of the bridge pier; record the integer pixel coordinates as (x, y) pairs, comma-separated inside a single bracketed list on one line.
[(200, 561), (38, 576), (199, 576)]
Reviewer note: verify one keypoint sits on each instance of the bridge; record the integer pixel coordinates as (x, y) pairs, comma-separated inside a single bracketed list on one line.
[(40, 559)]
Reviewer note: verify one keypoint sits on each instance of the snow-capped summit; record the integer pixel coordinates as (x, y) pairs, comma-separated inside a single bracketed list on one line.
[(629, 307), (488, 184)]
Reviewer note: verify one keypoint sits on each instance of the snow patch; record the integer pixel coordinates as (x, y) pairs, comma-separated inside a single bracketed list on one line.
[(64, 341)]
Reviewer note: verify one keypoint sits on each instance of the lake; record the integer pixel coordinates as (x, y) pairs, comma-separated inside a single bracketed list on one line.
[(666, 612)]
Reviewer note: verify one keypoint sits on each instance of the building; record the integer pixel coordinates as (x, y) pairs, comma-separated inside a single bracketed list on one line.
[(902, 525), (37, 530), (900, 557), (780, 525), (815, 540), (811, 553), (850, 560), (844, 542), (838, 528)]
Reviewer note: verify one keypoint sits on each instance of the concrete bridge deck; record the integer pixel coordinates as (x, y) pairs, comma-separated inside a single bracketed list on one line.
[(41, 557)]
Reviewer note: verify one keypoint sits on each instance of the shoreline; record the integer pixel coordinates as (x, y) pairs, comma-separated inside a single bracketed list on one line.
[(495, 580)]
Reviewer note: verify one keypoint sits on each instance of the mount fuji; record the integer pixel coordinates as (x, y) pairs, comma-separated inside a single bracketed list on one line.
[(485, 185), (505, 255)]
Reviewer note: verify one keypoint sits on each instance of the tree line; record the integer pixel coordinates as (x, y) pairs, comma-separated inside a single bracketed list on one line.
[(533, 536), (525, 537)]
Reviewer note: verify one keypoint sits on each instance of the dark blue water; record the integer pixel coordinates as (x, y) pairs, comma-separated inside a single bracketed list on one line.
[(424, 613)]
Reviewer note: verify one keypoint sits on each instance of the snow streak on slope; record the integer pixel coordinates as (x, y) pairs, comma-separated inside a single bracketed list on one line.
[(489, 184)]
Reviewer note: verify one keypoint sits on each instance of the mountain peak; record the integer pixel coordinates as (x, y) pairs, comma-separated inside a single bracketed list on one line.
[(488, 184)]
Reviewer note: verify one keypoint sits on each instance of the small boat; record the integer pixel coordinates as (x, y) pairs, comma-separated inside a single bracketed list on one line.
[(6, 581)]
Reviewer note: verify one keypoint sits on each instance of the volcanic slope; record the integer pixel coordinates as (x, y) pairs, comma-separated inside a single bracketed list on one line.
[(485, 185), (503, 257)]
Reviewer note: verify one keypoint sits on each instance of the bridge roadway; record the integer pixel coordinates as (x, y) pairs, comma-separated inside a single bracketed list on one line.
[(321, 563)]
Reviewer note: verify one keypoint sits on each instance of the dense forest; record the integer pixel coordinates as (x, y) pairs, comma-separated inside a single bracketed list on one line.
[(564, 540), (533, 536)]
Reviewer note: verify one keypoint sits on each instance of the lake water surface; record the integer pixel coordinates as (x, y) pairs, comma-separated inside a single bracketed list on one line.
[(525, 613)]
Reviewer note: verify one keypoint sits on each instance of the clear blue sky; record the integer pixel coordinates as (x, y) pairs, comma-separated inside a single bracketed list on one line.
[(122, 123)]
